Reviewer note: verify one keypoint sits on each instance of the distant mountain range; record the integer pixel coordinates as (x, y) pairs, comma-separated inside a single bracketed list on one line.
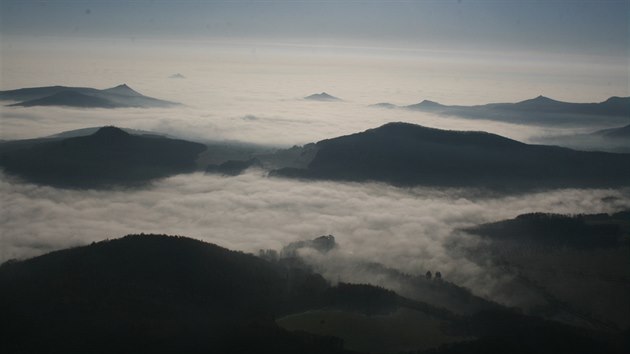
[(408, 154), (321, 97), (540, 110), (108, 157), (120, 96)]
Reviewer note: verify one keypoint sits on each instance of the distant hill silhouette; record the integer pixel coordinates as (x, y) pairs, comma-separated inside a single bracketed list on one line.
[(540, 111), (108, 157), (321, 97), (83, 97), (408, 154)]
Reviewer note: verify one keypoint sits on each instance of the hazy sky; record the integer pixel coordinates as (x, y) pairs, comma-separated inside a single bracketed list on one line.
[(566, 26)]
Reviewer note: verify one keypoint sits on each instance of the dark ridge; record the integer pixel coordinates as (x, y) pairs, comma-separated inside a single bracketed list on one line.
[(584, 232), (408, 154), (165, 294), (152, 294)]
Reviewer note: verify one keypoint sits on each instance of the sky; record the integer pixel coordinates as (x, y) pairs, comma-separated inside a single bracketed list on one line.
[(560, 26)]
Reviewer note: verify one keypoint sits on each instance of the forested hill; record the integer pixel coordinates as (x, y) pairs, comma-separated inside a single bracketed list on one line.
[(409, 154)]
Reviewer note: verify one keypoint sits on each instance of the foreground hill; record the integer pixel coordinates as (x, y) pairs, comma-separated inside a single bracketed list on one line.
[(83, 97), (108, 157), (148, 294), (161, 294), (408, 154)]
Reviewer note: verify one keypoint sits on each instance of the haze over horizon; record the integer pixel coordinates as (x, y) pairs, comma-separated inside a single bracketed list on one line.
[(524, 48)]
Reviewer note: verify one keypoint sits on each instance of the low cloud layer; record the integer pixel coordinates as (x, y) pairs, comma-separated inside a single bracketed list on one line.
[(408, 229)]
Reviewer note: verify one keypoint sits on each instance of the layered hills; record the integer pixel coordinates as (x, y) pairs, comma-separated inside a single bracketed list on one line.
[(538, 111)]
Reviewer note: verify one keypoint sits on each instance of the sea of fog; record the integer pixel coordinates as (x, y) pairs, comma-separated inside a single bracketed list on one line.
[(252, 94), (407, 229)]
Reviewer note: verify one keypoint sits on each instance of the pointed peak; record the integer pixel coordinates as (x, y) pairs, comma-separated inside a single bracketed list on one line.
[(429, 103), (123, 89), (538, 100), (322, 97)]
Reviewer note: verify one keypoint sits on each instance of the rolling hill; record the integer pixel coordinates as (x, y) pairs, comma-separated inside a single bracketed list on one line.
[(109, 157), (408, 154), (149, 294)]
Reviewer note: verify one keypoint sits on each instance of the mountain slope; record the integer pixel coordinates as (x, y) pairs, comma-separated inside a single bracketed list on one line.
[(408, 154), (109, 157), (611, 140), (147, 294), (163, 294), (82, 97), (577, 265)]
